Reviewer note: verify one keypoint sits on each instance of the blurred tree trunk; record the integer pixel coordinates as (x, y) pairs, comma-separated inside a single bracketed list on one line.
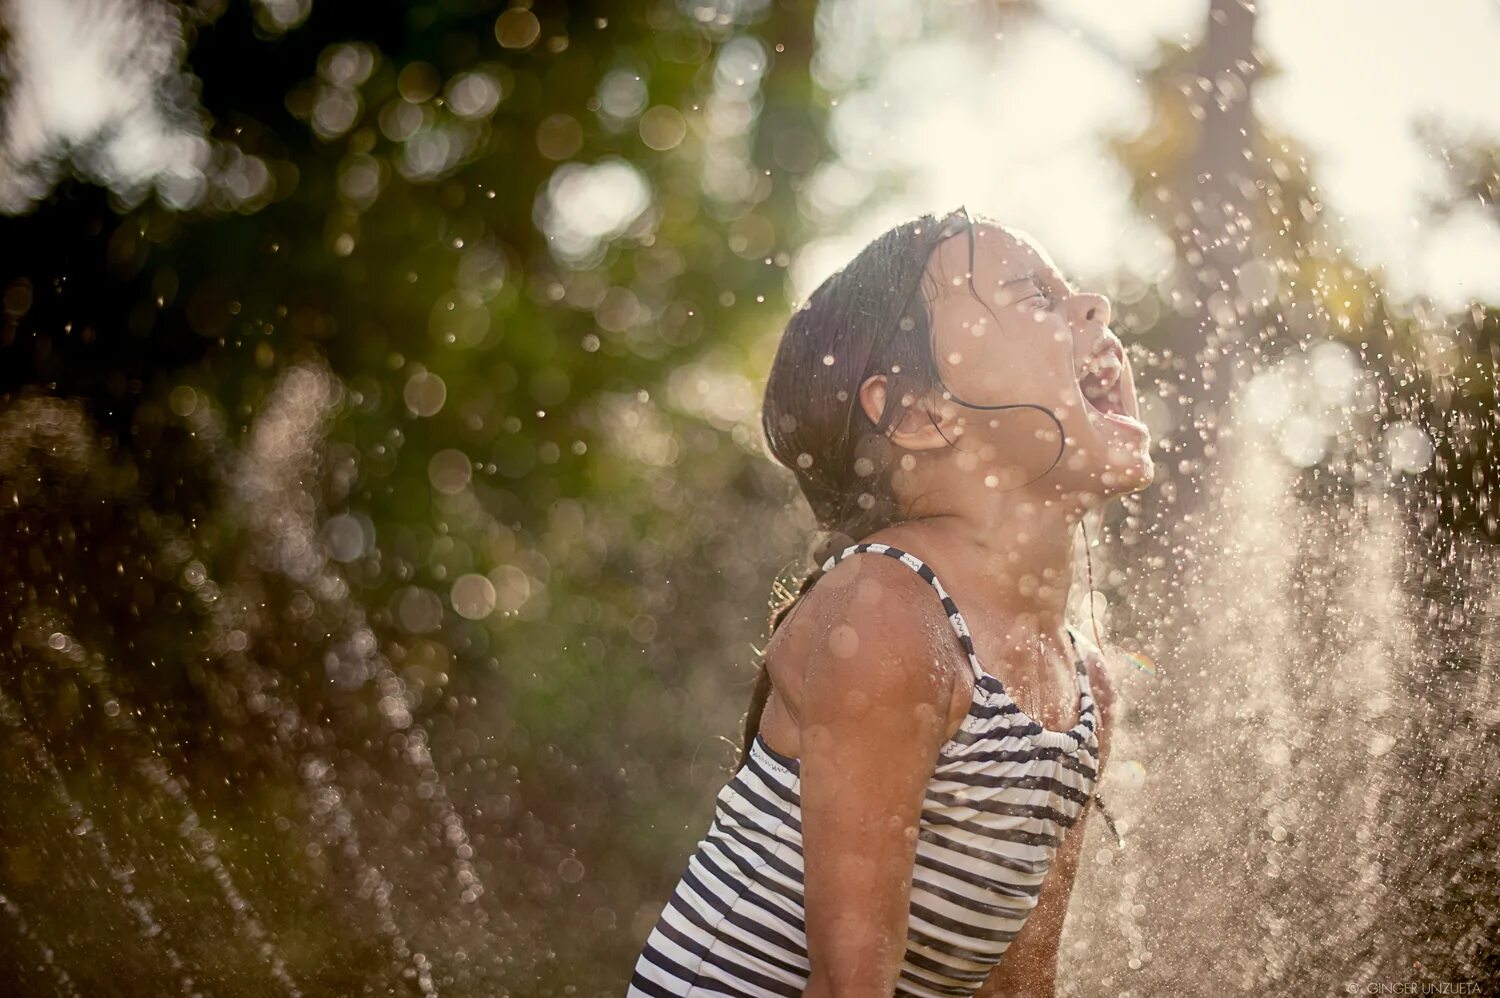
[(1204, 205)]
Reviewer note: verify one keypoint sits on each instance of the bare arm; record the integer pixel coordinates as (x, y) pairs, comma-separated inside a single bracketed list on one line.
[(873, 715)]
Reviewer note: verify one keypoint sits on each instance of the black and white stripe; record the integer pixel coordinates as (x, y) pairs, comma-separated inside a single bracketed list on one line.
[(1002, 796)]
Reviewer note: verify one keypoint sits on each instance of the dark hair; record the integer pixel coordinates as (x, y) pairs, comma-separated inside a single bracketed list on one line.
[(866, 319)]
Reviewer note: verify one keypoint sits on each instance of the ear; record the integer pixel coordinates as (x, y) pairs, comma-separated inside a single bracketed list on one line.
[(917, 428)]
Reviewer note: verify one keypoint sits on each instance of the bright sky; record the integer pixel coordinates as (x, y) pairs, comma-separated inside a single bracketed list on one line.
[(1015, 127)]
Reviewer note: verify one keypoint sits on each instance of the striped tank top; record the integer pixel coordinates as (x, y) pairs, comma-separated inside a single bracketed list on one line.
[(1002, 795)]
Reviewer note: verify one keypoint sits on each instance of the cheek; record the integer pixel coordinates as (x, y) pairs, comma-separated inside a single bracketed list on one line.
[(1040, 368), (975, 363), (1017, 358)]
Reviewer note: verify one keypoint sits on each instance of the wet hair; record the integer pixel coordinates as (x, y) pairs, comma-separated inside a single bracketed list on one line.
[(866, 319)]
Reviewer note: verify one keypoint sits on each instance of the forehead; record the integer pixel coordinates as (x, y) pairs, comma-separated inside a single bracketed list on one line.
[(1001, 254)]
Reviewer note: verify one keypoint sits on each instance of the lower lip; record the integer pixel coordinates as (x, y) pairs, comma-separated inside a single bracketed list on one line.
[(1115, 417)]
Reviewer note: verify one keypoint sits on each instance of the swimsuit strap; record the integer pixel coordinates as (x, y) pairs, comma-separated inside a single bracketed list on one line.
[(961, 628), (956, 618), (911, 561)]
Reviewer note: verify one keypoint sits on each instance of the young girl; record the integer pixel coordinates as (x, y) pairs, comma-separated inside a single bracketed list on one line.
[(905, 817)]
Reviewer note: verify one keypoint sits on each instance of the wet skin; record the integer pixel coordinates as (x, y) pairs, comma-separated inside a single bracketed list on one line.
[(867, 678)]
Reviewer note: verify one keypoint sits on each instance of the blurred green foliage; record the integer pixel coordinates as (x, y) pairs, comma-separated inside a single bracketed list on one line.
[(397, 484)]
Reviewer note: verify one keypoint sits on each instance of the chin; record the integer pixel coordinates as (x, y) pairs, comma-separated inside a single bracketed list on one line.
[(1121, 478), (1120, 467)]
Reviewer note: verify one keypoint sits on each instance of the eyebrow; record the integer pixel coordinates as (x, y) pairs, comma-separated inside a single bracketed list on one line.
[(1066, 280), (947, 288), (948, 285), (1042, 280)]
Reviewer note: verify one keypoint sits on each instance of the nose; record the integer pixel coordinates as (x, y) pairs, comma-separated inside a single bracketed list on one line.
[(1088, 307)]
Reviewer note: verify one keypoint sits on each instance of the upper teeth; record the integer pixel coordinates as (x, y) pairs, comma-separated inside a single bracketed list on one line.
[(1106, 369)]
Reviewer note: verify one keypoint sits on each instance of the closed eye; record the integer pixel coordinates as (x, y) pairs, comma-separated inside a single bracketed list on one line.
[(1043, 296)]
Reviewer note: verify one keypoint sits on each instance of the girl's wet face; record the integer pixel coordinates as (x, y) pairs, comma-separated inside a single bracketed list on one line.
[(1022, 335)]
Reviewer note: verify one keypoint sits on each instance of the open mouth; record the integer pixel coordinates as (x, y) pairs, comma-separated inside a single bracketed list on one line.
[(1102, 387)]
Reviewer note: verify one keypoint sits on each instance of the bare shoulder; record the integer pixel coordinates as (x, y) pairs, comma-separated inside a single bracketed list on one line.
[(870, 623)]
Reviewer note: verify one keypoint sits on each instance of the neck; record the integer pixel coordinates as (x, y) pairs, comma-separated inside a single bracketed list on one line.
[(1016, 550)]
